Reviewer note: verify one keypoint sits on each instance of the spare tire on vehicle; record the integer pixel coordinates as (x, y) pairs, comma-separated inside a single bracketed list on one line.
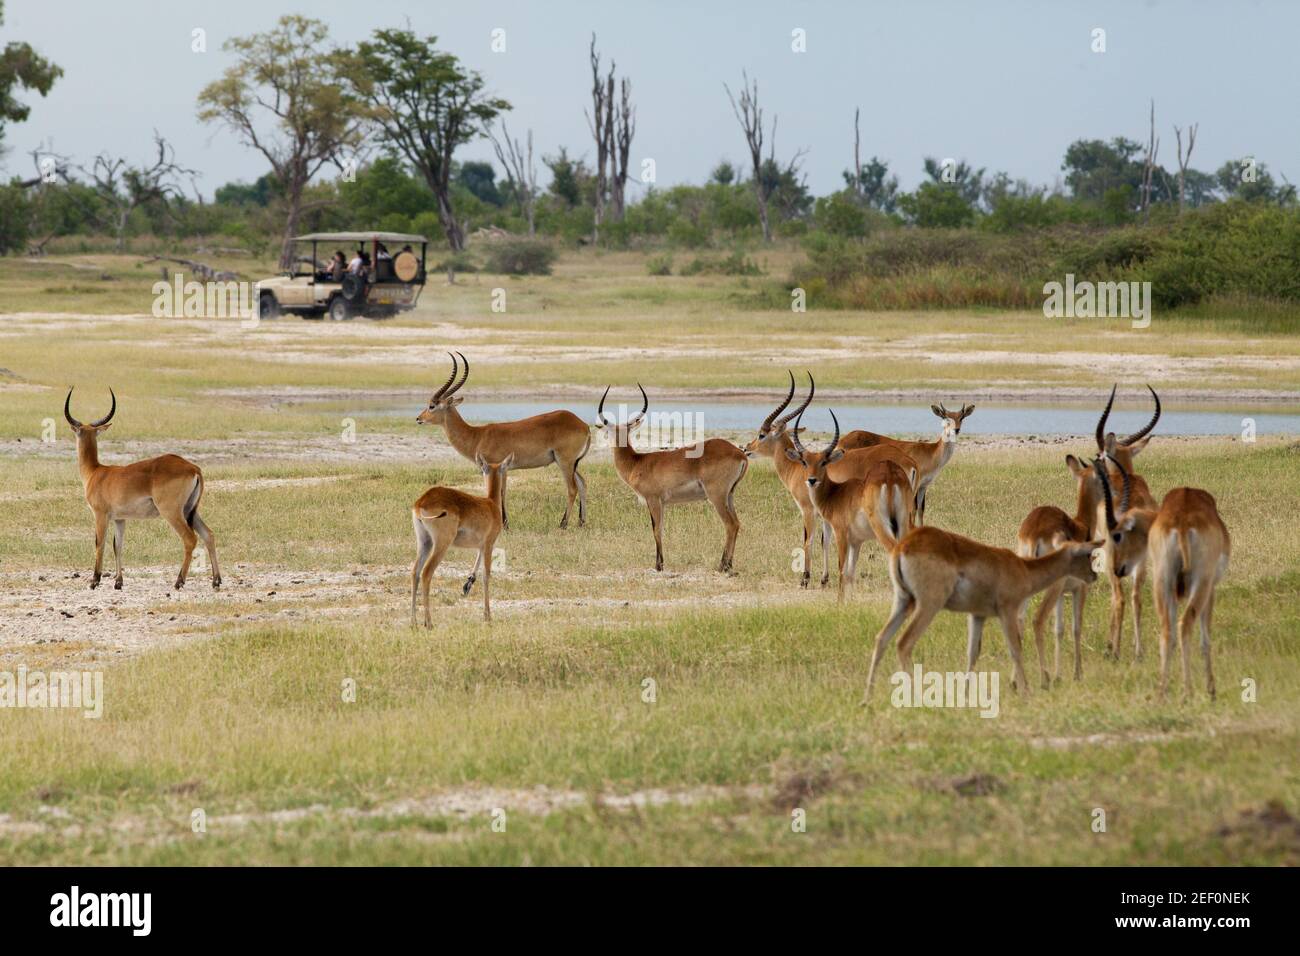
[(354, 288), (406, 267)]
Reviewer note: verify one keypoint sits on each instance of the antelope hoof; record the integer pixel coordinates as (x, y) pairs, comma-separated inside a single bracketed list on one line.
[(180, 583), (469, 583), (117, 584), (803, 582), (94, 583), (564, 522), (216, 583)]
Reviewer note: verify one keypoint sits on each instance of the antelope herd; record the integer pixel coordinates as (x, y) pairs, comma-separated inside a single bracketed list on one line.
[(860, 487)]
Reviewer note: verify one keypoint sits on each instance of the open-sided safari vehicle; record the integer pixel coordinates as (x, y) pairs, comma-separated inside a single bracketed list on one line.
[(313, 287)]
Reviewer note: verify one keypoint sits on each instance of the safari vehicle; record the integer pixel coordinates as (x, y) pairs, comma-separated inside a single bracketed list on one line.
[(392, 283)]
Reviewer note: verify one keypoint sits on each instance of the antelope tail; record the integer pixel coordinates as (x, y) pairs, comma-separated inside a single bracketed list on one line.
[(192, 503)]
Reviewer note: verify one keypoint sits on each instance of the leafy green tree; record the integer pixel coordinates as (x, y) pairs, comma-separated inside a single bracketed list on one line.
[(937, 205), (480, 179), (567, 177), (259, 193), (427, 105), (288, 78), (967, 181), (21, 67), (383, 188), (878, 188), (1245, 179), (724, 174)]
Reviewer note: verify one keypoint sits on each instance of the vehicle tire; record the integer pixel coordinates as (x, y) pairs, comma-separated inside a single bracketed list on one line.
[(354, 288), (267, 307), (339, 310)]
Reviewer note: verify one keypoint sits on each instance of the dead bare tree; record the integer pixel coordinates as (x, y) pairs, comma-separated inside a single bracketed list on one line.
[(1149, 164), (601, 121), (1184, 161), (621, 132), (750, 116), (857, 157), (521, 172), (124, 188)]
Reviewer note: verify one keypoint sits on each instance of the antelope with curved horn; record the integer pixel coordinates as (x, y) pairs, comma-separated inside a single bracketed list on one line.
[(930, 456), (167, 485), (774, 441), (560, 438), (877, 502), (934, 570), (447, 517), (709, 470), (1046, 529), (1188, 548), (1118, 453)]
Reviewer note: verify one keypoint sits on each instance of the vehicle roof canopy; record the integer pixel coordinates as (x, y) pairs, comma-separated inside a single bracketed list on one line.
[(360, 237)]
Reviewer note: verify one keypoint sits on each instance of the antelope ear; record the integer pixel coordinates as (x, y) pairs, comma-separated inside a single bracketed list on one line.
[(478, 460), (793, 455), (455, 400), (836, 455), (937, 410), (510, 460), (1128, 524), (968, 411), (1076, 466), (105, 427), (1138, 445)]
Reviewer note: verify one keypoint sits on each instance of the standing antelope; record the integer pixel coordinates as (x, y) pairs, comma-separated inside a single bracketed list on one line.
[(167, 485), (930, 456), (1045, 529), (446, 517), (934, 570), (874, 500), (559, 437), (709, 470), (1119, 454), (774, 441), (1188, 547)]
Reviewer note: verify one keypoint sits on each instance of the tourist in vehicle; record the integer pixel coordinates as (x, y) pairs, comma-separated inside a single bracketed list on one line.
[(338, 265)]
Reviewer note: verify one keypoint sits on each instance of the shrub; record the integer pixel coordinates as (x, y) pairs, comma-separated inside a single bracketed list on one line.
[(660, 265), (521, 257), (736, 264)]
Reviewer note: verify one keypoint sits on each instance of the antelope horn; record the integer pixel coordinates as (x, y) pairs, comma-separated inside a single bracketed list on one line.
[(645, 404), (812, 390), (794, 434), (835, 440), (105, 420), (1101, 423), (67, 411), (1128, 486), (767, 422), (1150, 425), (1099, 467), (600, 409), (464, 375), (451, 378)]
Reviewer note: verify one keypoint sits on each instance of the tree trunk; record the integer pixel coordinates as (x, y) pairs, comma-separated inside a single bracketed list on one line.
[(293, 200), (455, 235)]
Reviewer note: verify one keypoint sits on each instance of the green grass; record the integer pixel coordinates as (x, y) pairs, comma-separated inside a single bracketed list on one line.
[(763, 691), (758, 683)]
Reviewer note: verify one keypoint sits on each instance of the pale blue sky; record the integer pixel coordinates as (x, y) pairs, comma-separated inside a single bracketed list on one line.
[(1006, 85)]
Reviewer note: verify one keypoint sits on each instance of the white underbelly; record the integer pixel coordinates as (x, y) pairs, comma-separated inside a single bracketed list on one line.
[(144, 508), (691, 491)]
